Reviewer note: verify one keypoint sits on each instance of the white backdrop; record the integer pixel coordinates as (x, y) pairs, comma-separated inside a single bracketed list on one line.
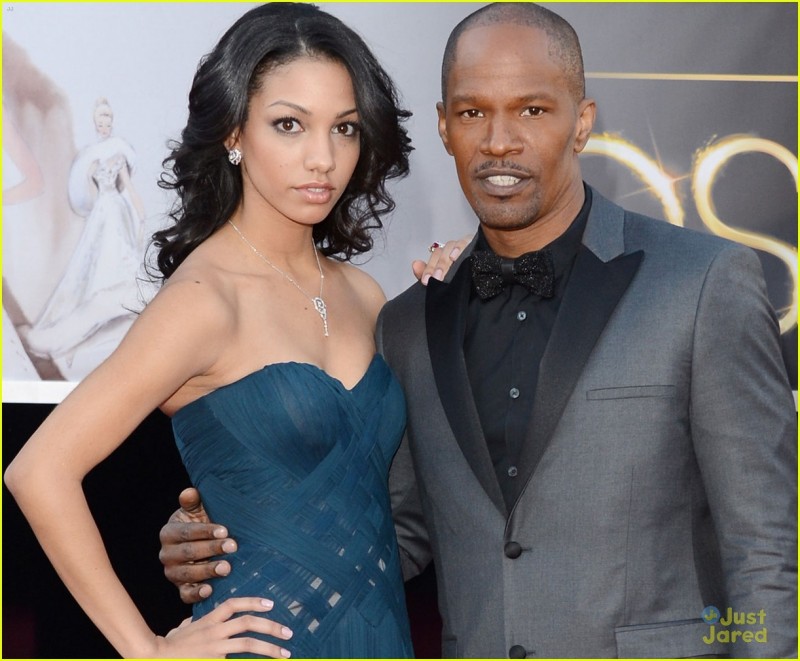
[(141, 57)]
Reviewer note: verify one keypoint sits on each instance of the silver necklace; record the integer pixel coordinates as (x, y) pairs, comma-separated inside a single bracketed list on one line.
[(319, 304)]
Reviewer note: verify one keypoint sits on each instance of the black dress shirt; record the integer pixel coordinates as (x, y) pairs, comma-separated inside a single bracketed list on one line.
[(504, 341)]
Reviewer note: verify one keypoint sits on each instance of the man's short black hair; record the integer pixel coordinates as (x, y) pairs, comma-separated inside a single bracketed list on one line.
[(563, 42)]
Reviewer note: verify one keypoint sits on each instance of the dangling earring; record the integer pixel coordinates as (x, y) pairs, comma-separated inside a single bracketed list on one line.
[(235, 156)]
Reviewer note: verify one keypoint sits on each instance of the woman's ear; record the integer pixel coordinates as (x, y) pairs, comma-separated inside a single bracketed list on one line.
[(232, 140)]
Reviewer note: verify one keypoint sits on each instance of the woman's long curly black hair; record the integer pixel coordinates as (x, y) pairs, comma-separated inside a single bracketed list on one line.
[(209, 188)]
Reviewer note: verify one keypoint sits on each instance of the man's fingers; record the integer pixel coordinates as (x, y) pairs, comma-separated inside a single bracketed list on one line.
[(194, 572), (192, 593), (179, 532), (185, 551), (189, 500), (195, 552), (191, 508)]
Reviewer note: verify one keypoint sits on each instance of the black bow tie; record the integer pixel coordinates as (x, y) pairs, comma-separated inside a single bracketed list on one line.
[(533, 270)]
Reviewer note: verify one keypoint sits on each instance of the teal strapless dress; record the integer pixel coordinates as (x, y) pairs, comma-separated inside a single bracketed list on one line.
[(296, 466)]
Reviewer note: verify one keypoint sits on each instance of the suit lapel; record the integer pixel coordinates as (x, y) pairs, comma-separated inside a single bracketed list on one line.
[(595, 287), (445, 317)]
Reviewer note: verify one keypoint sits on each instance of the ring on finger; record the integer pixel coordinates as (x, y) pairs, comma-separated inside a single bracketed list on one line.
[(435, 245)]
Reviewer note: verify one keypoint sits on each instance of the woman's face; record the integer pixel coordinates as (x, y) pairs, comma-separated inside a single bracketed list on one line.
[(300, 143), (102, 124)]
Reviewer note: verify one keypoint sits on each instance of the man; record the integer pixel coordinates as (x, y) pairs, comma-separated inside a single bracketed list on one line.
[(601, 433)]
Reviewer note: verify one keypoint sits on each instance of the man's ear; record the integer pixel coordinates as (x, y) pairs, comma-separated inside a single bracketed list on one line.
[(587, 111), (443, 126)]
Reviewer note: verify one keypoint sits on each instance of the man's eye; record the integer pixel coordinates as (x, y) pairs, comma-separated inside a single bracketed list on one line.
[(533, 111)]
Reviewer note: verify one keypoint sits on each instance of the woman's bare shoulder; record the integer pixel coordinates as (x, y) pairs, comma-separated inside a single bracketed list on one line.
[(199, 297), (365, 286)]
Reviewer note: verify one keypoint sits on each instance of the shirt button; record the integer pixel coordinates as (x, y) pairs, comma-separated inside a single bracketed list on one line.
[(513, 393), (512, 471), (512, 550), (517, 652), (522, 316)]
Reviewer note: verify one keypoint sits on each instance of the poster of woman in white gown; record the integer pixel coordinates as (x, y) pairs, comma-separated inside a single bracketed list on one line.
[(75, 229), (97, 297), (74, 243)]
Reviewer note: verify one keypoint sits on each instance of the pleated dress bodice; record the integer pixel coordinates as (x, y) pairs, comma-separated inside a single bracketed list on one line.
[(295, 465)]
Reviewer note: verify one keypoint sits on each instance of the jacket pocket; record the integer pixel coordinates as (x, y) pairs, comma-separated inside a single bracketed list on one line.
[(672, 640), (631, 392)]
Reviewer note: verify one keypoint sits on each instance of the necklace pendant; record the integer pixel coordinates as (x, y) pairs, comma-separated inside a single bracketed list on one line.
[(321, 308), (319, 304)]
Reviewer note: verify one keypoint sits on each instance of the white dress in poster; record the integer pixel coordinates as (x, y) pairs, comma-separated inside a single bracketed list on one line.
[(97, 297)]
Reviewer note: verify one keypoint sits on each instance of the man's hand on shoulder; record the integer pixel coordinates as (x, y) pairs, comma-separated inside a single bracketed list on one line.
[(188, 540)]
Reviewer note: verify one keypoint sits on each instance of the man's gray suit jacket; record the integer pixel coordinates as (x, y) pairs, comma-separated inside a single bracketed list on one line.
[(659, 472)]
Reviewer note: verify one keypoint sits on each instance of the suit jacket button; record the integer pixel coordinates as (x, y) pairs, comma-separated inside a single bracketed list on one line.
[(513, 550), (517, 651)]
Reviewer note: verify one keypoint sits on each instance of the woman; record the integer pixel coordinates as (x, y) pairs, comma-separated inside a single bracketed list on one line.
[(261, 348), (91, 306)]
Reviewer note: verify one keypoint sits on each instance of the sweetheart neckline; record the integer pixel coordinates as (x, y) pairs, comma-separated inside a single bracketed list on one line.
[(286, 363)]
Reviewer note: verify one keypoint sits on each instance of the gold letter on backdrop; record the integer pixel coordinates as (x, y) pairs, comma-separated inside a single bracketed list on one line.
[(707, 164)]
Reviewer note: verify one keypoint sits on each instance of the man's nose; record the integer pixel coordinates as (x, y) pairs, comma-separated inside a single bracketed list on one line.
[(502, 137)]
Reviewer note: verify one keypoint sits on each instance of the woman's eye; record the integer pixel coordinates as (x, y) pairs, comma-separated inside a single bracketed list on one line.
[(287, 125), (347, 129)]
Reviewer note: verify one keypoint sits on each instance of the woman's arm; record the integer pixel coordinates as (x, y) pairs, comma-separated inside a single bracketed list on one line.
[(177, 337)]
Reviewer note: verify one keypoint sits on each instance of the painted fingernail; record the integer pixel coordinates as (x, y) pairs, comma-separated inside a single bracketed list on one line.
[(285, 653), (205, 591), (287, 632), (267, 603), (229, 546), (425, 279), (438, 273), (454, 253)]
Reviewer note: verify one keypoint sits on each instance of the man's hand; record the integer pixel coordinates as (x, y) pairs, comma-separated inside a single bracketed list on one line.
[(187, 542)]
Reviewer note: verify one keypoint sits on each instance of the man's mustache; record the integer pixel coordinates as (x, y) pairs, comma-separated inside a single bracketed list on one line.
[(503, 165)]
